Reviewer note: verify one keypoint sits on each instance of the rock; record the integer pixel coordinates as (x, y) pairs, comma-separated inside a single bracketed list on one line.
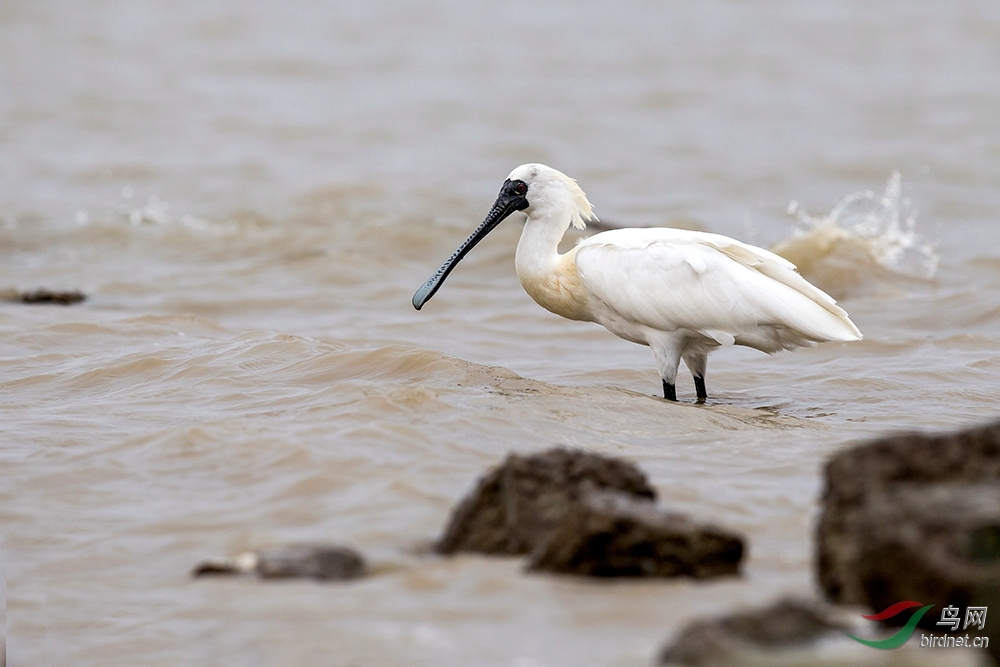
[(294, 561), (915, 517), (939, 543), (581, 513), (856, 478), (755, 636), (311, 561), (611, 534), (45, 296), (515, 506), (934, 543)]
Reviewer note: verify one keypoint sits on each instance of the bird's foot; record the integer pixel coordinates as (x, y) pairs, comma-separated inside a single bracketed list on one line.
[(699, 386), (669, 391)]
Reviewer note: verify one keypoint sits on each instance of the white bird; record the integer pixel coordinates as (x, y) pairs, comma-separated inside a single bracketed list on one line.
[(682, 293)]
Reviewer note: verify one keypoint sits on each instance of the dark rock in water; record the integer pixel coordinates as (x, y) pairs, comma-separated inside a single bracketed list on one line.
[(582, 513), (872, 487), (787, 624), (611, 534), (312, 562), (937, 543), (293, 561), (44, 296), (514, 507), (915, 517)]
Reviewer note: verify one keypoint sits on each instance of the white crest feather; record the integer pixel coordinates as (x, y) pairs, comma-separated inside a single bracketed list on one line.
[(583, 210)]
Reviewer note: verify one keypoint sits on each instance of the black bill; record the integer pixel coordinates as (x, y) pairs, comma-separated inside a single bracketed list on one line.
[(511, 198)]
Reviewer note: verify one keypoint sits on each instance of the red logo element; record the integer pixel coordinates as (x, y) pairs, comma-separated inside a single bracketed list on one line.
[(893, 610)]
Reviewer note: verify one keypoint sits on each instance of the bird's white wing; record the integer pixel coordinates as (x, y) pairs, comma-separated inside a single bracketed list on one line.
[(771, 265), (670, 279)]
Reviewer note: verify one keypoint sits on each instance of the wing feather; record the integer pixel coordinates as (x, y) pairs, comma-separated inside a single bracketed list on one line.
[(669, 279)]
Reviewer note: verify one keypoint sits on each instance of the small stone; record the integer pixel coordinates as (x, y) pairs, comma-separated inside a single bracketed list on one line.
[(611, 534), (294, 561), (312, 562), (44, 296), (515, 506)]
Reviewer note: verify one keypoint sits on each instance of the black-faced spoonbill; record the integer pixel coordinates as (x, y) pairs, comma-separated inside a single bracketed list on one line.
[(682, 293)]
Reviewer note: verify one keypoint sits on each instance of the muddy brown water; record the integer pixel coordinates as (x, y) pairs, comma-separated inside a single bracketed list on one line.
[(249, 193)]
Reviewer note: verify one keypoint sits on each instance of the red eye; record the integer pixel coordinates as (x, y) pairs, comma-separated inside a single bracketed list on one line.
[(520, 189)]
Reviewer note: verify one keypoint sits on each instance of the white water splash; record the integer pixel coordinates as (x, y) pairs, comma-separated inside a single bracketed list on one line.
[(882, 227), (156, 213)]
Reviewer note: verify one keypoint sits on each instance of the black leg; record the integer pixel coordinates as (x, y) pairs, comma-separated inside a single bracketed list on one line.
[(669, 392), (699, 386)]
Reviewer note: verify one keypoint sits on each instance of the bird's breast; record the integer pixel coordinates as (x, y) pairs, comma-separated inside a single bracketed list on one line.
[(559, 290)]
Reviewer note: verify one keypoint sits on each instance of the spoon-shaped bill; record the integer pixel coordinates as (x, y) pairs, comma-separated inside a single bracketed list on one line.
[(503, 207)]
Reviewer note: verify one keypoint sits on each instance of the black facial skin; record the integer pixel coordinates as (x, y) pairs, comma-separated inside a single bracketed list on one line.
[(512, 197)]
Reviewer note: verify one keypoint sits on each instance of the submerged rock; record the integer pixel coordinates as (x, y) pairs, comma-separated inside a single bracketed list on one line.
[(756, 636), (44, 296), (514, 507), (611, 534), (305, 561)]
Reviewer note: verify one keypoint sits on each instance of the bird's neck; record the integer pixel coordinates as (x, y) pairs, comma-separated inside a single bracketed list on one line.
[(548, 277), (538, 249)]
